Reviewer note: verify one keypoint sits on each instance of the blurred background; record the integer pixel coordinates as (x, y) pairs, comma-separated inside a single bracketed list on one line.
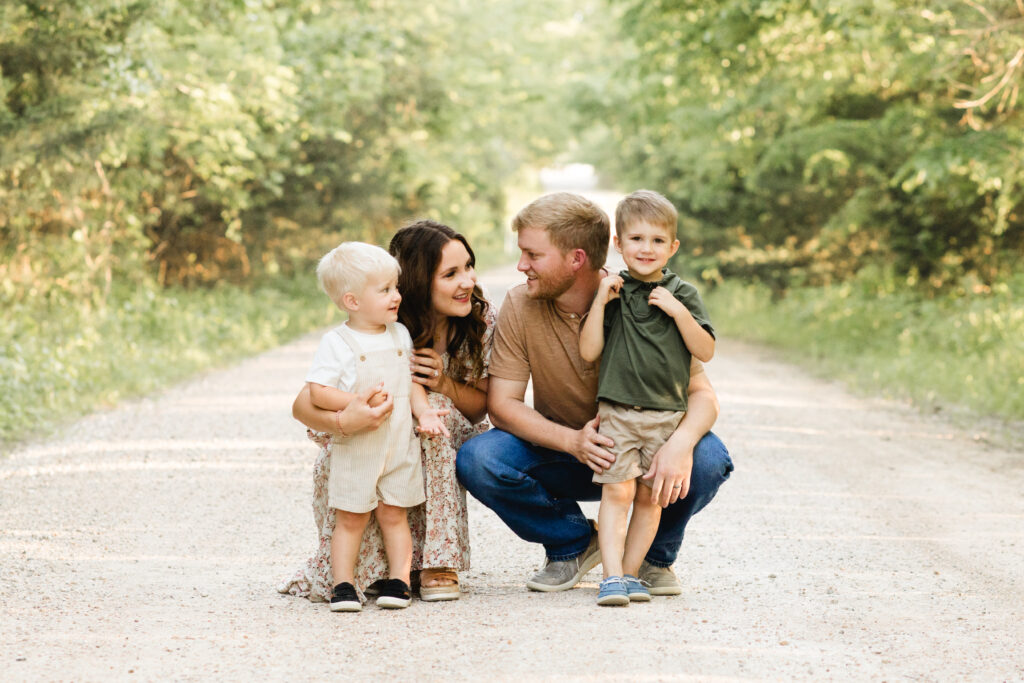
[(849, 173)]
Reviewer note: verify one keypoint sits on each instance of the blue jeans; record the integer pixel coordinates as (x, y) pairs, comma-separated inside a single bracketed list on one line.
[(535, 490)]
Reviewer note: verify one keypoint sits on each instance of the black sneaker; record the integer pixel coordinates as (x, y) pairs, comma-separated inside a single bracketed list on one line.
[(394, 594), (345, 598), (374, 588)]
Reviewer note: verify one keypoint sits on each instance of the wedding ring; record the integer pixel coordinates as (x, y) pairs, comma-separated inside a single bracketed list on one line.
[(678, 487), (435, 373)]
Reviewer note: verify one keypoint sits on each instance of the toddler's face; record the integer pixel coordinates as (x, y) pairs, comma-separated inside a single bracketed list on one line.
[(379, 300), (646, 249)]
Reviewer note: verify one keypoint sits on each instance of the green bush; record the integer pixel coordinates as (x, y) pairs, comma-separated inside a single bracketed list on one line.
[(65, 359), (874, 332)]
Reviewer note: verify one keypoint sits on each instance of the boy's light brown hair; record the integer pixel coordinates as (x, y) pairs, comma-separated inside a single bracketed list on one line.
[(571, 221), (647, 206)]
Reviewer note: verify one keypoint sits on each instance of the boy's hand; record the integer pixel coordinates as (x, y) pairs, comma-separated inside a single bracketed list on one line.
[(431, 423), (663, 299), (377, 397), (609, 288)]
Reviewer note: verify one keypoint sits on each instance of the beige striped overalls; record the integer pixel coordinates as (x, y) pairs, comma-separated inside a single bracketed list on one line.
[(383, 465)]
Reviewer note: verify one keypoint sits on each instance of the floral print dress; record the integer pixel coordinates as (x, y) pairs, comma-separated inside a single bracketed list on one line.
[(440, 526)]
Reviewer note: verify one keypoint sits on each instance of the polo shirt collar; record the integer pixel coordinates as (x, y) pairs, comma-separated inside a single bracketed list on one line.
[(631, 284)]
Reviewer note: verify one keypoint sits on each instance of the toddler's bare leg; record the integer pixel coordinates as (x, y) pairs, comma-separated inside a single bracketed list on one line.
[(348, 534), (611, 524), (394, 527), (643, 525)]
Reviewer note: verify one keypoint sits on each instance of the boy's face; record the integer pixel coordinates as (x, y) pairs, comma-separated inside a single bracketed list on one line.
[(646, 249), (377, 304), (548, 271)]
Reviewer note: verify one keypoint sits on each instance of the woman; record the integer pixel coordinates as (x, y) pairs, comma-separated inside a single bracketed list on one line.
[(451, 326)]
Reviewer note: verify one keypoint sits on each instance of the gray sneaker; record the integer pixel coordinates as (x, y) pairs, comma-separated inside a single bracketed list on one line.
[(660, 580), (561, 575)]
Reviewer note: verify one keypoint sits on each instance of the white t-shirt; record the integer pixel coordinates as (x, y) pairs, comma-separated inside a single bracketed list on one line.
[(334, 364)]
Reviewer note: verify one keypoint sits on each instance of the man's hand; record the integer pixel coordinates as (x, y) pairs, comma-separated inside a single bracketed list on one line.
[(589, 447), (670, 470), (663, 299)]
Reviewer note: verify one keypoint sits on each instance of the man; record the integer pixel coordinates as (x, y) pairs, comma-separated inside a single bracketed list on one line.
[(538, 462)]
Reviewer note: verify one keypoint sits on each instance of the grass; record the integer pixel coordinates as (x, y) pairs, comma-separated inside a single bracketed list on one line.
[(65, 360), (957, 351)]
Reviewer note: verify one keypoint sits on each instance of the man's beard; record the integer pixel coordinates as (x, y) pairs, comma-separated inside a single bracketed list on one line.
[(552, 286)]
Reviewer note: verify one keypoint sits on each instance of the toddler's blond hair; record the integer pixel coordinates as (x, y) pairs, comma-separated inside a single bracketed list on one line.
[(350, 265)]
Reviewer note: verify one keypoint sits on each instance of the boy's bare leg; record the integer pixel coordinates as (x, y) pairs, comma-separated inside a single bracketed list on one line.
[(348, 534), (643, 526), (611, 524), (394, 527)]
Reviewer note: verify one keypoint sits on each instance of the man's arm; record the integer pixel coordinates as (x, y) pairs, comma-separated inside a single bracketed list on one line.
[(509, 412), (672, 465)]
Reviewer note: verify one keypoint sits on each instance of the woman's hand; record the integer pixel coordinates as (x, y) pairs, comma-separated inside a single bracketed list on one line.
[(428, 370), (367, 411)]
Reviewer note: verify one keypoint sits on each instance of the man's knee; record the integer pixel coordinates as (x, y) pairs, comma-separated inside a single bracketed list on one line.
[(488, 460), (711, 461), (474, 463)]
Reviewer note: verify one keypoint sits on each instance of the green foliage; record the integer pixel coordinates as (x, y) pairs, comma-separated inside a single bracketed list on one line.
[(61, 361), (804, 140), (201, 142), (963, 348)]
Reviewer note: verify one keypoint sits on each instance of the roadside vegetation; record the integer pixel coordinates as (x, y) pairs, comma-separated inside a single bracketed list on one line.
[(946, 352), (849, 173)]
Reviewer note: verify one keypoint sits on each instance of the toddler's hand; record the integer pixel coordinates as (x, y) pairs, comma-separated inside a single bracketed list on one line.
[(431, 423), (378, 398), (663, 299), (609, 287)]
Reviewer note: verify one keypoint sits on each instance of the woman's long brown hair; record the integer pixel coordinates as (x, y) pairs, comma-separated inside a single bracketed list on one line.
[(417, 247)]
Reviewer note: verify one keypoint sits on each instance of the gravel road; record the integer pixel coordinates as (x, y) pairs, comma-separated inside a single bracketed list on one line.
[(857, 540)]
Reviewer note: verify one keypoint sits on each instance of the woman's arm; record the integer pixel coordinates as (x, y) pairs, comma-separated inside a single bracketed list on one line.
[(358, 416)]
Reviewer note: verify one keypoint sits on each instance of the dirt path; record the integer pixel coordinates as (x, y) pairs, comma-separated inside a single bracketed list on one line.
[(856, 541)]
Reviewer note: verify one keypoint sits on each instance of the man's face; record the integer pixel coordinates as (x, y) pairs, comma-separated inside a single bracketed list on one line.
[(548, 271)]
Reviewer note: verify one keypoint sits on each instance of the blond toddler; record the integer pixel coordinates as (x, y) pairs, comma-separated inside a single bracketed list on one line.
[(375, 472)]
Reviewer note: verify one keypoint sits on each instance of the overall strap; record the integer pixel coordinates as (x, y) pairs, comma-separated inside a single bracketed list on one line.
[(350, 339), (395, 338)]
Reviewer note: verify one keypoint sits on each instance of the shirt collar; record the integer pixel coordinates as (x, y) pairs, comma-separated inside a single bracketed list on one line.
[(631, 284)]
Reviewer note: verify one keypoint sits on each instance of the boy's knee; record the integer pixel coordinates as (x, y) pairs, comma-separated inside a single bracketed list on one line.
[(389, 515), (619, 493), (350, 520)]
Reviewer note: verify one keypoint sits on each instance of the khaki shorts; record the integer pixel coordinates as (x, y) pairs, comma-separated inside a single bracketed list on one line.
[(638, 433)]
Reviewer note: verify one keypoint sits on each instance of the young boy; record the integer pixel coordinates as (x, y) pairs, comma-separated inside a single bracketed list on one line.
[(376, 471), (648, 323)]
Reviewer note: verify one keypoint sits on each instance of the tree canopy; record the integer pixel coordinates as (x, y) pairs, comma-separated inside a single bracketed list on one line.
[(802, 139)]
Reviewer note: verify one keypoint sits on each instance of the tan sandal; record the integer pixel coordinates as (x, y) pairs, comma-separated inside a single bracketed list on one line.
[(448, 591)]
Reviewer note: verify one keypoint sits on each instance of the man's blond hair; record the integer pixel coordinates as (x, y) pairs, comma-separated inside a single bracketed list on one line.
[(647, 206), (571, 221)]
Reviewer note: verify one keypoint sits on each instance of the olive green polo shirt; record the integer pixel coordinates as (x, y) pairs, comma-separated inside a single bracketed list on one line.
[(645, 362)]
